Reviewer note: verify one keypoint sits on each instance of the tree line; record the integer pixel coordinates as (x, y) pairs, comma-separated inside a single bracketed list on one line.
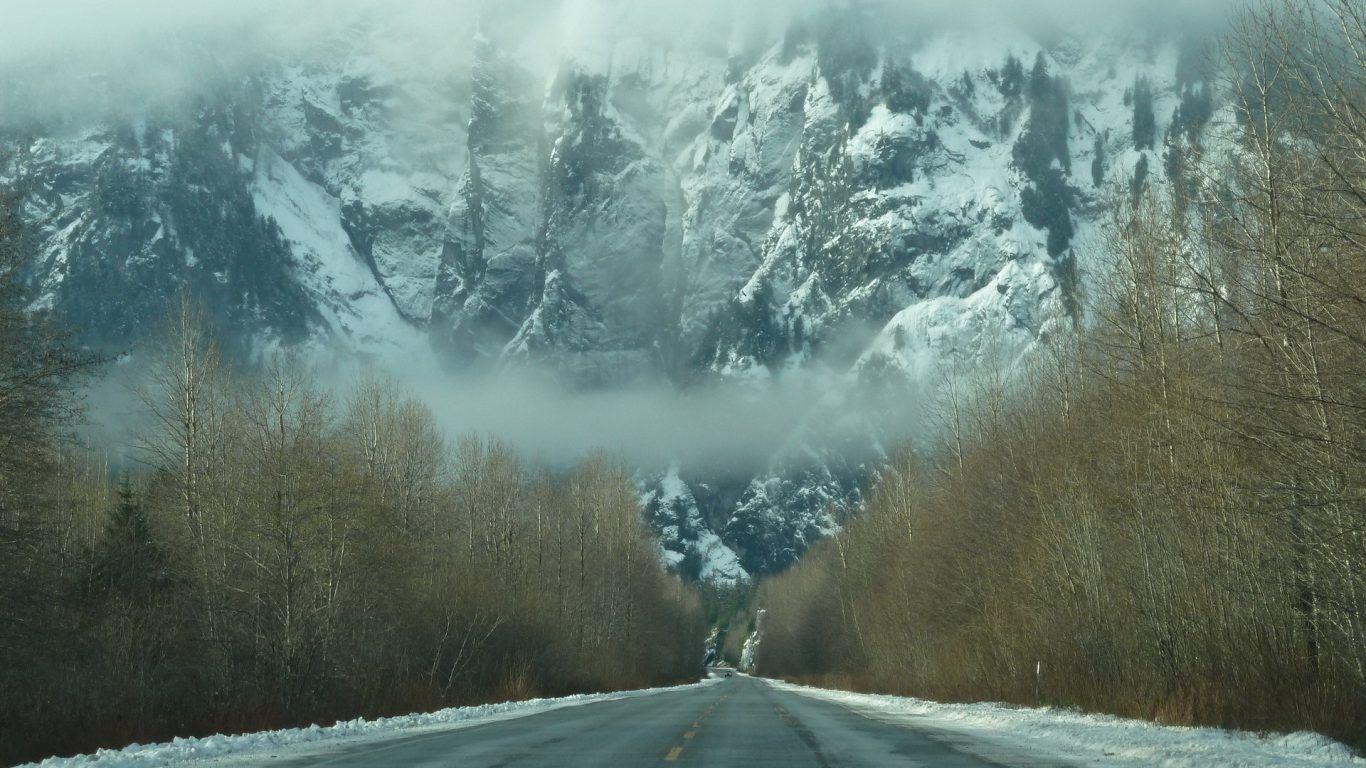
[(1165, 516), (280, 555)]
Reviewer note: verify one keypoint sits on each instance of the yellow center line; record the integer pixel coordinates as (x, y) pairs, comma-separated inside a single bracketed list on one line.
[(689, 734), (673, 754)]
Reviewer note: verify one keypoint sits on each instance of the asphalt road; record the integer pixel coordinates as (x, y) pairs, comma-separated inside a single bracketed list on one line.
[(741, 722)]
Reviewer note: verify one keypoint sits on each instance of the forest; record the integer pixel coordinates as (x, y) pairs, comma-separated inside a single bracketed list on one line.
[(1165, 515), (277, 554)]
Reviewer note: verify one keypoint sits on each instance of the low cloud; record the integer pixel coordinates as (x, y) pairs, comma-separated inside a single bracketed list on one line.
[(725, 429), (720, 429), (75, 58)]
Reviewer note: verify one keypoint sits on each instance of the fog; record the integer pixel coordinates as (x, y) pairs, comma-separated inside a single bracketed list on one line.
[(70, 58), (722, 429), (68, 27)]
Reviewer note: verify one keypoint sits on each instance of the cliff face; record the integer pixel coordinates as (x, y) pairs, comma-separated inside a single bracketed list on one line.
[(865, 205)]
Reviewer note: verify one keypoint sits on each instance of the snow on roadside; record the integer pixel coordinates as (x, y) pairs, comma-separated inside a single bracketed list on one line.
[(346, 733), (1096, 740)]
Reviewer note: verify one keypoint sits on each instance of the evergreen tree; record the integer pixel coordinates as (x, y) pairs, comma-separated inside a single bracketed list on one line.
[(905, 90), (1193, 113), (1044, 141), (1140, 180), (762, 336), (1145, 123), (1048, 206), (1011, 80), (1098, 161), (846, 58), (1043, 155), (128, 558)]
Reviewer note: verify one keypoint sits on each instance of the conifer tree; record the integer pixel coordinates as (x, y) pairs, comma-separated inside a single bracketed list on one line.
[(1145, 122), (129, 559), (1099, 161)]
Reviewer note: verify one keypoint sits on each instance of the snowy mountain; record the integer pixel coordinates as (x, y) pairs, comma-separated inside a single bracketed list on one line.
[(850, 198)]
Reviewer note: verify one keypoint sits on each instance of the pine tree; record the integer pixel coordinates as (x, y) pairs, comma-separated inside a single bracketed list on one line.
[(129, 559), (1145, 123), (1193, 113), (1098, 161), (846, 58), (1139, 182), (1042, 153), (904, 90), (1011, 80)]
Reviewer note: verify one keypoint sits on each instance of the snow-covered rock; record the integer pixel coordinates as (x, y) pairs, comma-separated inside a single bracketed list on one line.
[(687, 544)]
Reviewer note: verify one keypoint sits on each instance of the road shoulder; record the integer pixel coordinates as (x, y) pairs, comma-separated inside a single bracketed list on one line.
[(223, 751), (998, 731)]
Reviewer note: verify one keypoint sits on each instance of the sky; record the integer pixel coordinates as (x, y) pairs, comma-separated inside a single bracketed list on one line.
[(70, 59), (66, 60), (89, 32)]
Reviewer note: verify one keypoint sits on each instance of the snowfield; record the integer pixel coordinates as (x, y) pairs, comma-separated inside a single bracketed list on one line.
[(237, 750), (1095, 740)]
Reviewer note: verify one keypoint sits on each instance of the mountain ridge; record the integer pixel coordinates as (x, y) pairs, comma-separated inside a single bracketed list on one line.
[(870, 208)]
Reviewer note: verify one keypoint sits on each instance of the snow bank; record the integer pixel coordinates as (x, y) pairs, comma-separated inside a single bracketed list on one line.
[(1088, 740), (186, 750)]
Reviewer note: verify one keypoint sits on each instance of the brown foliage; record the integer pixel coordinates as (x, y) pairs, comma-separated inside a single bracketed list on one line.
[(284, 558), (1167, 514)]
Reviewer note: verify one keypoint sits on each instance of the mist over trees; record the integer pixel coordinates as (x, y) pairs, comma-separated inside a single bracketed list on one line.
[(1165, 518), (286, 555)]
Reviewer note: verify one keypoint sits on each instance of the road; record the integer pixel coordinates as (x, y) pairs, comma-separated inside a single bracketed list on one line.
[(742, 722)]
